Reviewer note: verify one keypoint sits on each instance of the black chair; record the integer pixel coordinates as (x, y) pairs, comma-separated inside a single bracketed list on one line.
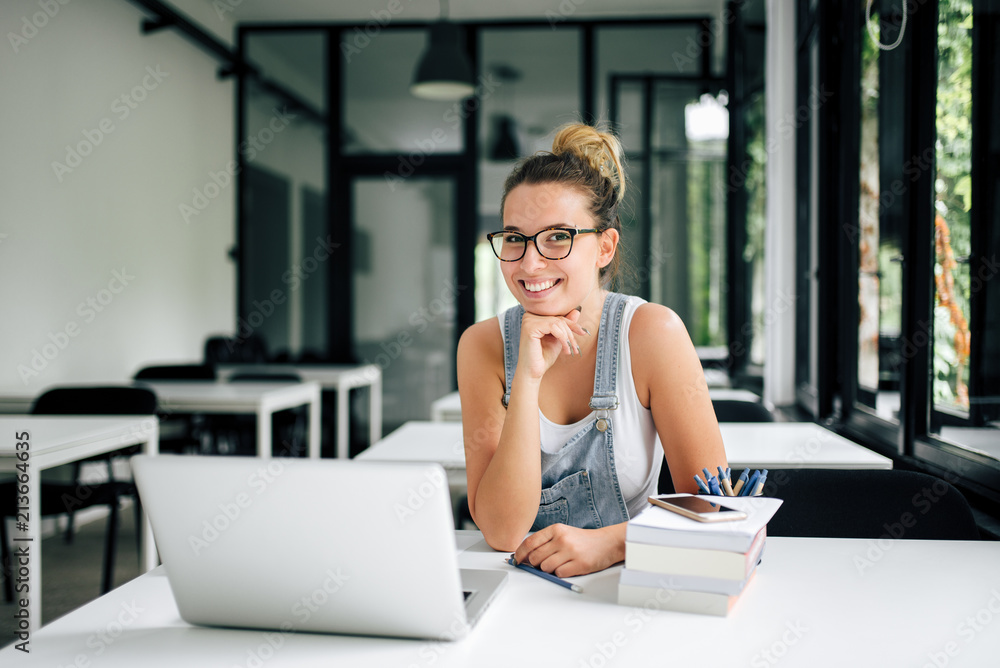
[(289, 428), (65, 498), (733, 410), (177, 372), (250, 349), (726, 410), (182, 432), (894, 504)]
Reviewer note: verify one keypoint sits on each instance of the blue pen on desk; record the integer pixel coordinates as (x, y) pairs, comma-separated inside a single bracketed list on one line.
[(725, 482), (738, 487), (760, 483), (548, 576), (713, 486), (749, 488), (702, 486)]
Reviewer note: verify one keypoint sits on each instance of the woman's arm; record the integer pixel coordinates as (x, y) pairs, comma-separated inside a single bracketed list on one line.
[(503, 465), (671, 382)]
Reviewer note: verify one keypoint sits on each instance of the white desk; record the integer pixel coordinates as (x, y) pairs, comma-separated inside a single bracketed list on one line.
[(54, 441), (449, 407), (794, 445), (813, 602), (340, 378), (262, 399), (770, 445)]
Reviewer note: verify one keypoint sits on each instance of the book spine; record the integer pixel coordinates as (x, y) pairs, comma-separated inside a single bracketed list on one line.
[(693, 562), (730, 542), (682, 582), (676, 600)]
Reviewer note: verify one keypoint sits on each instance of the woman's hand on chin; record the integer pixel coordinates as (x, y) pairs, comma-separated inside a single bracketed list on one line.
[(544, 338)]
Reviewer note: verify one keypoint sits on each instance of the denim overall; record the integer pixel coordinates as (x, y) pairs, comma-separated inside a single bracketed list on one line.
[(579, 483)]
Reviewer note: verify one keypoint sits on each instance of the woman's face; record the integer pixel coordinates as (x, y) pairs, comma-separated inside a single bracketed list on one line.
[(554, 287)]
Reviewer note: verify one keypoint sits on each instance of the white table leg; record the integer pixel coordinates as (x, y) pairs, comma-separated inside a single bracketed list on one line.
[(315, 429), (148, 556), (343, 402), (265, 415), (375, 409)]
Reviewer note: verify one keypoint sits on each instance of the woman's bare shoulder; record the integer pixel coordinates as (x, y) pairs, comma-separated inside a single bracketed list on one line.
[(481, 337), (654, 324)]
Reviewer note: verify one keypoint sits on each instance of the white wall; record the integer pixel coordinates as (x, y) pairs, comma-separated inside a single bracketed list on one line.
[(63, 236)]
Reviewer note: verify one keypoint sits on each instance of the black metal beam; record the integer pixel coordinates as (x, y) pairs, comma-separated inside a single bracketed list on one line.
[(165, 16)]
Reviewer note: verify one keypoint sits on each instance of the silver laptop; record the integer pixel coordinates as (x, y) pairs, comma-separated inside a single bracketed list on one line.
[(329, 546)]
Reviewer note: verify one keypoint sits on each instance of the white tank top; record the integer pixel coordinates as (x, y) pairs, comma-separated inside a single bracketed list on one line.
[(637, 449)]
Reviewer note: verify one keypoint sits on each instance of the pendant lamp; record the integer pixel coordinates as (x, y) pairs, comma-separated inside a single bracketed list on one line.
[(444, 71)]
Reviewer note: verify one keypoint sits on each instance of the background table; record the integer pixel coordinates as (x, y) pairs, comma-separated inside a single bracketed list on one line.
[(794, 445), (449, 407), (771, 445), (813, 602), (338, 378), (58, 440), (263, 399), (757, 445)]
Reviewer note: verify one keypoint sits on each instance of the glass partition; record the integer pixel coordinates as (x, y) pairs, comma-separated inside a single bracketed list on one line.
[(285, 247)]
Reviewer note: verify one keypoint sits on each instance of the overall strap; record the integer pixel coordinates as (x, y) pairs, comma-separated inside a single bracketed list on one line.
[(510, 320), (608, 339)]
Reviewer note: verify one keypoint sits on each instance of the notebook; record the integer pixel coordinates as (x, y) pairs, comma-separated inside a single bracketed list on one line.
[(332, 546)]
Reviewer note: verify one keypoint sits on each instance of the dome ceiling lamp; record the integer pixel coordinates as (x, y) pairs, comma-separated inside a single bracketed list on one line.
[(444, 71)]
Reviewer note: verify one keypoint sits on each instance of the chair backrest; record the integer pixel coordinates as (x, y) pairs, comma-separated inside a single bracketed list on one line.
[(96, 401), (177, 372), (263, 376), (868, 504), (235, 350), (726, 410), (734, 410)]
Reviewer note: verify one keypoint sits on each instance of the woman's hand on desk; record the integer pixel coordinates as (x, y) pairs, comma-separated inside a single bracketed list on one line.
[(567, 551)]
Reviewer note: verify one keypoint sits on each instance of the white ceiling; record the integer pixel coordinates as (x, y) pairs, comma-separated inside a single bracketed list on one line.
[(460, 10)]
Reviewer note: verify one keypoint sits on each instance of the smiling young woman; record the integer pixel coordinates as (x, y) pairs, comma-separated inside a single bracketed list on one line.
[(571, 399)]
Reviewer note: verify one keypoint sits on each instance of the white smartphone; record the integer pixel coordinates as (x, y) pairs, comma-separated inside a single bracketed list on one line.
[(698, 508)]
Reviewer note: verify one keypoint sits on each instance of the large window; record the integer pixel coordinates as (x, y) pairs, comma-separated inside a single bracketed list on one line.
[(919, 157), (964, 407)]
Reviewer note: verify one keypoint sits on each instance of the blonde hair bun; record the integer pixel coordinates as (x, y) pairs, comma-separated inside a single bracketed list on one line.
[(601, 150)]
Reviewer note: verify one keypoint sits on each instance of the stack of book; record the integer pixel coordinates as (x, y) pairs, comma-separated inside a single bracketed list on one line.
[(680, 564)]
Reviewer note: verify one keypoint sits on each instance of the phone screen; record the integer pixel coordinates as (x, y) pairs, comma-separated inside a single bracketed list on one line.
[(697, 506)]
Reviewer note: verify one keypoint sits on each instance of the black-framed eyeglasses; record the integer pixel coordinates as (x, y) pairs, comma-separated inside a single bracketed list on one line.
[(554, 243)]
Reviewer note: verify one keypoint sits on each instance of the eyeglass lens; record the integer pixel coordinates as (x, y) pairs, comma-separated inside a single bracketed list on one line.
[(552, 244)]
